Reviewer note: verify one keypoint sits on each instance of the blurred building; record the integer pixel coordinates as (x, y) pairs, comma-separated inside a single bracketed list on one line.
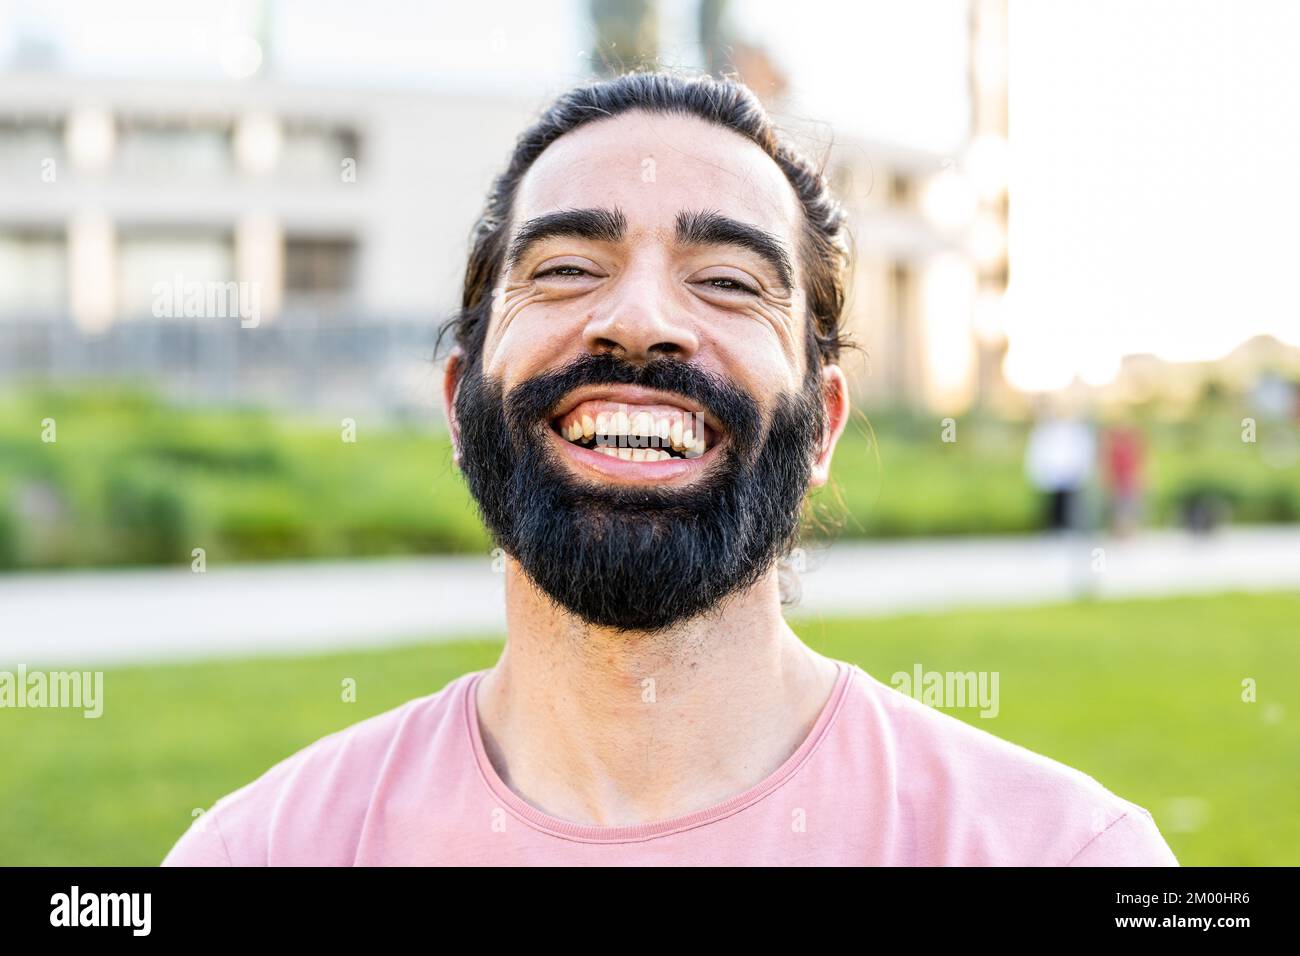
[(929, 232), (907, 275), (336, 206), (344, 214), (332, 199), (1261, 366)]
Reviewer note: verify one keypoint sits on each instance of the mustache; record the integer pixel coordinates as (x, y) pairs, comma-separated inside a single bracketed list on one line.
[(733, 408)]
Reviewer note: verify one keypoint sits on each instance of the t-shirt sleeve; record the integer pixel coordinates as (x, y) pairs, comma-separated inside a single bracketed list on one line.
[(1131, 840), (201, 845)]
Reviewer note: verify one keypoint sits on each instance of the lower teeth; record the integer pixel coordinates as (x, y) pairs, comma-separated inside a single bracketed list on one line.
[(592, 444)]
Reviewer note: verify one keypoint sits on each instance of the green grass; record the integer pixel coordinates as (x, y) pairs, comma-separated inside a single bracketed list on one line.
[(1143, 695)]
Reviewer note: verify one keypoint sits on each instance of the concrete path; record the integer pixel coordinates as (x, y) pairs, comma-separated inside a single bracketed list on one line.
[(79, 619)]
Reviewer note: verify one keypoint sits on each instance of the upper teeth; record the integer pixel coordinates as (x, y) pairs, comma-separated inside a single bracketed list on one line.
[(639, 435)]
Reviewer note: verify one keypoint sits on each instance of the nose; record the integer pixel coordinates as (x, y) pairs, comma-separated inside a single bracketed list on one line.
[(640, 321)]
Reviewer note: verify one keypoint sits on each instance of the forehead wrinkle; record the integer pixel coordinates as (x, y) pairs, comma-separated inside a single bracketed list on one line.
[(753, 173)]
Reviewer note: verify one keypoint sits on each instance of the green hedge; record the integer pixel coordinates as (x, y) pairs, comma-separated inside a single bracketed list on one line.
[(132, 480)]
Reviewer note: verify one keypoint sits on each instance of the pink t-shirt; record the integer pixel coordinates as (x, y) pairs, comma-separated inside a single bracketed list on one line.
[(881, 780)]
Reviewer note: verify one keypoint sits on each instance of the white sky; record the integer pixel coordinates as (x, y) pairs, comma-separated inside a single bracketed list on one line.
[(1155, 181), (883, 69)]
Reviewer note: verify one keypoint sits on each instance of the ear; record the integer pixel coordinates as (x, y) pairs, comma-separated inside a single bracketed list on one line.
[(451, 376), (835, 400)]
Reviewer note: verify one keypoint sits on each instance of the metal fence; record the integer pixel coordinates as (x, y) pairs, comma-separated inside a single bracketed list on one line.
[(300, 361)]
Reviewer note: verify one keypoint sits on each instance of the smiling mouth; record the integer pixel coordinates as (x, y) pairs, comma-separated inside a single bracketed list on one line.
[(646, 433)]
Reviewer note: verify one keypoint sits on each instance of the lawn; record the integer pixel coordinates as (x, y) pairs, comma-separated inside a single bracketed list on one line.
[(1143, 695)]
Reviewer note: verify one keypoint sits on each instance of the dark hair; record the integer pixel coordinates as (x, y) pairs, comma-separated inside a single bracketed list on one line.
[(824, 249)]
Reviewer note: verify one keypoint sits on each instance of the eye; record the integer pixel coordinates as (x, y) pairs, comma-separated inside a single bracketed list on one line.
[(563, 272), (728, 284)]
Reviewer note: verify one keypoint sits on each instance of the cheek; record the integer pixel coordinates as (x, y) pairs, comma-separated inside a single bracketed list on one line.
[(531, 337), (785, 333), (758, 352)]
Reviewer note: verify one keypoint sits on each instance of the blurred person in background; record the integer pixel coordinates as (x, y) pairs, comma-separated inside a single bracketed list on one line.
[(1059, 459), (1123, 456)]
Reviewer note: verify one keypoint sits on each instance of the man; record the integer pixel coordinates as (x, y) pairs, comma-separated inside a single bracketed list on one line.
[(1059, 461), (643, 389)]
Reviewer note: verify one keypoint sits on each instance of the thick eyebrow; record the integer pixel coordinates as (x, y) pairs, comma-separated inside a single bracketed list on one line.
[(710, 228), (601, 225)]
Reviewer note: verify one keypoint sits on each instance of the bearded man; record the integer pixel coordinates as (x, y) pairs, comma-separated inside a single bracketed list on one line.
[(643, 389)]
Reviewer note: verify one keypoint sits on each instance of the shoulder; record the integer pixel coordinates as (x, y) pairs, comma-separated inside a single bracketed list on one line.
[(970, 797), (313, 804)]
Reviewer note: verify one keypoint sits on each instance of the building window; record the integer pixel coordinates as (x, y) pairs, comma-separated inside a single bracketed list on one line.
[(175, 149), (314, 151), (318, 269), (148, 258), (26, 143), (33, 274), (901, 189)]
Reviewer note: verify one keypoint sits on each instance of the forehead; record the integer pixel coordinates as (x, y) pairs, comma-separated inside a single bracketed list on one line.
[(654, 165)]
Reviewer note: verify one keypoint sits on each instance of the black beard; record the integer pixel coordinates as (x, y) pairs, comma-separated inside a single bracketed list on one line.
[(638, 559)]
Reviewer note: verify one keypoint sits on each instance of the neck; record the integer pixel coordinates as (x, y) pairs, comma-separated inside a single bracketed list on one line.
[(609, 728)]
